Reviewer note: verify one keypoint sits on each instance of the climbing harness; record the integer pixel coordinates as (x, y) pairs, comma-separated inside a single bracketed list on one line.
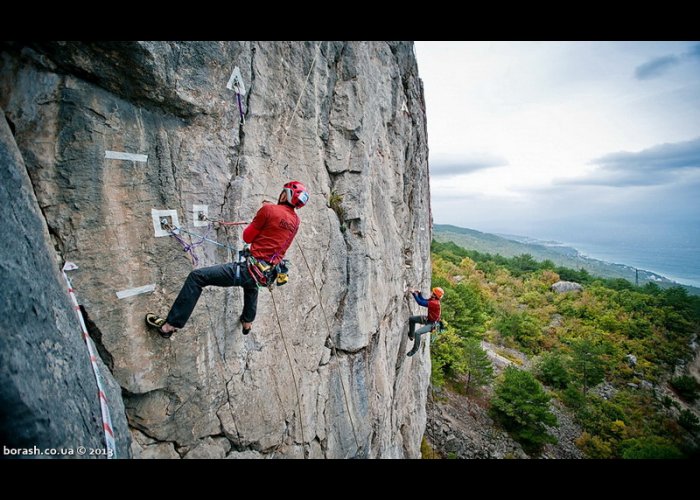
[(264, 273), (104, 407), (438, 328)]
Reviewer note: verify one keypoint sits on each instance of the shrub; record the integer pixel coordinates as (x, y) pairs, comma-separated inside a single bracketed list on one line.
[(686, 387), (573, 397), (689, 421), (649, 447), (522, 406), (478, 365), (593, 446), (588, 362), (335, 202), (520, 326), (447, 356), (427, 451), (552, 371)]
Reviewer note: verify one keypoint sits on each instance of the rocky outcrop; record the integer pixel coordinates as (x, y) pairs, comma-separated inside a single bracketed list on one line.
[(566, 286), (502, 357), (48, 394), (347, 119), (460, 427)]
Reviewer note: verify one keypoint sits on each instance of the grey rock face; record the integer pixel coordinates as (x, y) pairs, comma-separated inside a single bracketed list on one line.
[(348, 136), (48, 393), (566, 286)]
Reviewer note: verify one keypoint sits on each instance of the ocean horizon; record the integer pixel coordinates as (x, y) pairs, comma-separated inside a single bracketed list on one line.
[(676, 262), (673, 255)]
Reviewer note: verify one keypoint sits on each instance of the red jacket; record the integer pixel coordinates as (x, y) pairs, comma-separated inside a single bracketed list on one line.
[(433, 306), (433, 310), (271, 232)]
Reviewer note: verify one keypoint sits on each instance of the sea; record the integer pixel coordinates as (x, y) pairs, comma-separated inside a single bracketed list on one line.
[(676, 260)]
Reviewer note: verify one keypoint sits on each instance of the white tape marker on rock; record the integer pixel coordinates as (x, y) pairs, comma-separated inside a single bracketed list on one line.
[(118, 155), (122, 294)]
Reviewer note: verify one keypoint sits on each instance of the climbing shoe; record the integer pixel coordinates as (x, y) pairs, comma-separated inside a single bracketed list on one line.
[(411, 353), (157, 322), (410, 335), (245, 330)]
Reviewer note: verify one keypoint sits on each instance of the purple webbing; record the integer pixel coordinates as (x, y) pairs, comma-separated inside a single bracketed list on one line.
[(240, 106), (189, 248)]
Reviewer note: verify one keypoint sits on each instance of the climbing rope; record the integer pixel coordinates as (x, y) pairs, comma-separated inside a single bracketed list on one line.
[(190, 247), (222, 222), (333, 349), (225, 223), (429, 424), (325, 317), (104, 407), (240, 105), (286, 128), (431, 434), (291, 368), (296, 107)]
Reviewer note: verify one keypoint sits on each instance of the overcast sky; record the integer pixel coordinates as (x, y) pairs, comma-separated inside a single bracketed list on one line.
[(565, 140)]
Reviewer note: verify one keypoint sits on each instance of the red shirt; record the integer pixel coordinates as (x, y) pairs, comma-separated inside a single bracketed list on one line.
[(433, 310), (271, 232), (433, 306)]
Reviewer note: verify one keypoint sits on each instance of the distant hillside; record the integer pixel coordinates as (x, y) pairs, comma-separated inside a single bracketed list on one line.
[(511, 246)]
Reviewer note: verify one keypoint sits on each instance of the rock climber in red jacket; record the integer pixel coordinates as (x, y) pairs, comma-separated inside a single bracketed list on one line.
[(431, 321), (269, 234)]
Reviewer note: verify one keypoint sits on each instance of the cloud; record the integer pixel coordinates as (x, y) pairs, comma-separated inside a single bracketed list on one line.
[(443, 167), (663, 157), (694, 52), (650, 167), (660, 65), (655, 67)]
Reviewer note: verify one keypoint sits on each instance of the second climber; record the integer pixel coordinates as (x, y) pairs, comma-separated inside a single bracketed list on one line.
[(431, 320)]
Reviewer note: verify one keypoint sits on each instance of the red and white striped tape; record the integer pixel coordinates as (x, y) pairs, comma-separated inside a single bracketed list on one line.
[(106, 419)]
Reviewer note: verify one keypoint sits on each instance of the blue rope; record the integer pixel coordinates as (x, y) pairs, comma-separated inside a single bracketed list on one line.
[(202, 238)]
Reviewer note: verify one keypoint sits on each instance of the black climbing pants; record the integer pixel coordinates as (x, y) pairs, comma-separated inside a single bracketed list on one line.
[(220, 275), (415, 335)]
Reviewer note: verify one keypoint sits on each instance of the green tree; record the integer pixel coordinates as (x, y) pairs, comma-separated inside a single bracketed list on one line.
[(464, 307), (649, 447), (588, 362), (551, 370), (478, 365), (522, 264), (521, 326), (522, 406), (580, 276), (447, 357), (689, 421), (686, 387)]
